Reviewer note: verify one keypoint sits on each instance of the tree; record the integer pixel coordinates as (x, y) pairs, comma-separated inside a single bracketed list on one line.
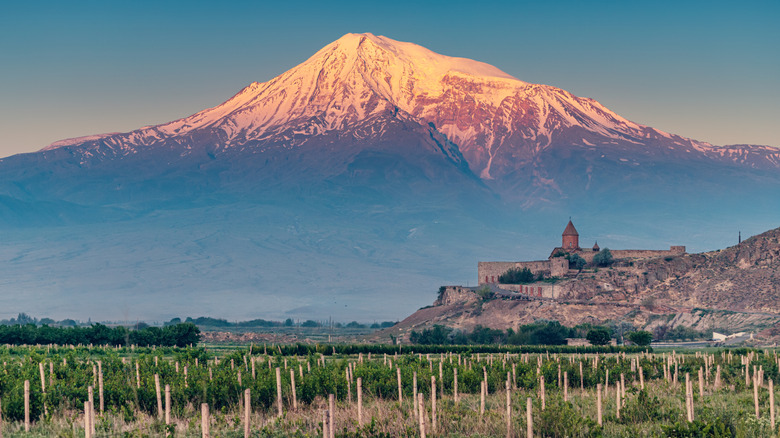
[(516, 276), (598, 336), (603, 258), (640, 337), (576, 262)]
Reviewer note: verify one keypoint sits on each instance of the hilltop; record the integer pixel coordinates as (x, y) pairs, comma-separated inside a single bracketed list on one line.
[(729, 290)]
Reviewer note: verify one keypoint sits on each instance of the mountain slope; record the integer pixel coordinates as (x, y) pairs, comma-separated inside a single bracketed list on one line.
[(373, 153)]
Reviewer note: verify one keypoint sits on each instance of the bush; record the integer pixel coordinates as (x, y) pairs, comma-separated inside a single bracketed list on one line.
[(603, 258), (576, 262), (516, 276)]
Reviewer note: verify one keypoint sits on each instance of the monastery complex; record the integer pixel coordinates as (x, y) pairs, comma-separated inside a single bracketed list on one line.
[(557, 264)]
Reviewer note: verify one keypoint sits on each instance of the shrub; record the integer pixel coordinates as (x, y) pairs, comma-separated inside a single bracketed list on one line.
[(516, 276), (603, 258), (576, 262)]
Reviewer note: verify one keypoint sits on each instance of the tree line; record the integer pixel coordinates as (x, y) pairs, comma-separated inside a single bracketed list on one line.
[(179, 335)]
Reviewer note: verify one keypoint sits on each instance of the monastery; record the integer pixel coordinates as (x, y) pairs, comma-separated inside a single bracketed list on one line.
[(557, 265)]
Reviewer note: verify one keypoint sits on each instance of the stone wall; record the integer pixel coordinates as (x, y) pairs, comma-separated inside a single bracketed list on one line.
[(488, 272), (544, 290), (647, 253), (455, 294)]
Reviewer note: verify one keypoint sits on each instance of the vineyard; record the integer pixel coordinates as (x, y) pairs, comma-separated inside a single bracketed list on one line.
[(378, 391)]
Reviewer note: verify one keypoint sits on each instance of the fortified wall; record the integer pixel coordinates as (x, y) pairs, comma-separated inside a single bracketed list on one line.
[(489, 272)]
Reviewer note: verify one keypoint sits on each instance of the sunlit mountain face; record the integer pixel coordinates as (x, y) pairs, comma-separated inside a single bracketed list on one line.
[(352, 186)]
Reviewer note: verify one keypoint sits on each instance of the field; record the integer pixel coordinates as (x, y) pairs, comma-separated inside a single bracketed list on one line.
[(142, 391)]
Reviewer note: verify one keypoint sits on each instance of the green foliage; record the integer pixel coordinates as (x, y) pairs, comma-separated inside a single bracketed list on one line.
[(603, 258), (640, 337), (576, 262), (715, 429), (438, 335), (561, 420), (179, 335), (485, 292), (516, 276), (598, 336)]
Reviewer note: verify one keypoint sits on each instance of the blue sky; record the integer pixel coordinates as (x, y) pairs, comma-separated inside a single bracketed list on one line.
[(709, 70)]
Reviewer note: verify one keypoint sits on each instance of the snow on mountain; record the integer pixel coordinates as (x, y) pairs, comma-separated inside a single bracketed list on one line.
[(498, 122)]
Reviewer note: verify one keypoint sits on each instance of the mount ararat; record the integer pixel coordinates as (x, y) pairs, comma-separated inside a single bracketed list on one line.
[(345, 187)]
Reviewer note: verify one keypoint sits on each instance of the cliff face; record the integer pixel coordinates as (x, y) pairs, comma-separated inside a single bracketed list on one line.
[(736, 289)]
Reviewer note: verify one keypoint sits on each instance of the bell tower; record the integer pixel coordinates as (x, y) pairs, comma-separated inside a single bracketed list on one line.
[(571, 238)]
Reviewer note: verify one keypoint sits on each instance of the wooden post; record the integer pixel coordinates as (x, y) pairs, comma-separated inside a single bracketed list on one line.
[(359, 401), (415, 404), (137, 375), (529, 419), (688, 401), (701, 383), (204, 420), (294, 393), (455, 384), (641, 378), (400, 393), (598, 405), (433, 404), (771, 404), (87, 422), (159, 397), (421, 416), (541, 390), (441, 377), (26, 405), (617, 400), (508, 411), (247, 411), (565, 386), (91, 398), (167, 404), (278, 392), (332, 419), (482, 391), (100, 387), (582, 378), (755, 391)]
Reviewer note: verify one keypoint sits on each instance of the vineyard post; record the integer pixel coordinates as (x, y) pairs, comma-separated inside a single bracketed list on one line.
[(247, 411), (441, 377), (582, 378), (137, 375), (482, 399), (359, 401), (159, 396), (617, 400), (91, 399), (641, 378), (100, 387), (294, 395), (186, 384), (43, 388), (414, 395), (508, 410), (514, 376), (622, 387), (26, 405), (254, 375), (529, 419), (688, 401), (771, 404), (541, 390), (565, 386), (421, 417), (701, 383), (433, 404), (167, 404), (455, 384), (238, 377), (598, 404), (398, 377), (332, 415), (204, 420), (51, 374), (279, 391), (755, 391), (87, 428)]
